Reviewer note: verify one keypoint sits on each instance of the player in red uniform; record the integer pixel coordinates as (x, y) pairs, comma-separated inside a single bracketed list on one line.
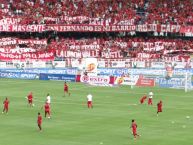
[(30, 99), (142, 100), (39, 121), (6, 105), (47, 109), (159, 107), (134, 129), (150, 98), (66, 89)]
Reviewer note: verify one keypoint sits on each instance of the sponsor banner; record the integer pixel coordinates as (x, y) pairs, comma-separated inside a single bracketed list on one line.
[(171, 83), (91, 66), (127, 80), (139, 71), (145, 82), (63, 77), (94, 79), (157, 64), (18, 75), (112, 71), (69, 71), (118, 64)]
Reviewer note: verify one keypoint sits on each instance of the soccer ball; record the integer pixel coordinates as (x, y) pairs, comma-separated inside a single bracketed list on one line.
[(33, 105), (188, 117)]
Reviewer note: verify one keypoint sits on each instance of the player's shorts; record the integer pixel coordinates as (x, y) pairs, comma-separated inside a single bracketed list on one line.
[(89, 102), (6, 107), (65, 90), (159, 110), (134, 132), (30, 101), (47, 111)]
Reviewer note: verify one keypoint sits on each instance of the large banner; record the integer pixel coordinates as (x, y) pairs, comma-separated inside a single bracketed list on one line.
[(13, 41), (135, 80), (18, 75), (91, 65), (27, 56), (95, 28), (127, 80), (171, 83), (68, 71), (106, 80), (63, 77), (11, 25)]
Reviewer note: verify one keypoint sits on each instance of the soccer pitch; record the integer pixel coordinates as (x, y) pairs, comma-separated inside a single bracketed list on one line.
[(108, 123)]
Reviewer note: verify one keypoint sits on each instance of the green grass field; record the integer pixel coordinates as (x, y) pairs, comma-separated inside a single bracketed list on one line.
[(108, 123)]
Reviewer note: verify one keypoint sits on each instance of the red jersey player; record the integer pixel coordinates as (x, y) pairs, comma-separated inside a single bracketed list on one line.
[(159, 107), (47, 109), (134, 129), (39, 121), (142, 100), (30, 99), (6, 105), (66, 89), (150, 99)]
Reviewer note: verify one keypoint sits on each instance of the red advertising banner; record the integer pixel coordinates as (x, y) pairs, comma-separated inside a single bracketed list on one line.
[(145, 82)]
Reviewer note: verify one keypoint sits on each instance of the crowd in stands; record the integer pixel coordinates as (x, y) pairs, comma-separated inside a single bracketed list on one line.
[(100, 12), (129, 46)]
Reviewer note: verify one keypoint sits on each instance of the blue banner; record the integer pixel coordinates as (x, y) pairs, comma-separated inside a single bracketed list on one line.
[(18, 75), (64, 77), (103, 71), (138, 71), (171, 83), (69, 71)]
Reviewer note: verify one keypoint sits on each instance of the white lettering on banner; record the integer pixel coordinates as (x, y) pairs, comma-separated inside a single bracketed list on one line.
[(9, 21), (91, 46), (23, 56), (28, 28), (170, 28), (158, 64), (153, 46), (13, 27), (87, 53), (95, 79)]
